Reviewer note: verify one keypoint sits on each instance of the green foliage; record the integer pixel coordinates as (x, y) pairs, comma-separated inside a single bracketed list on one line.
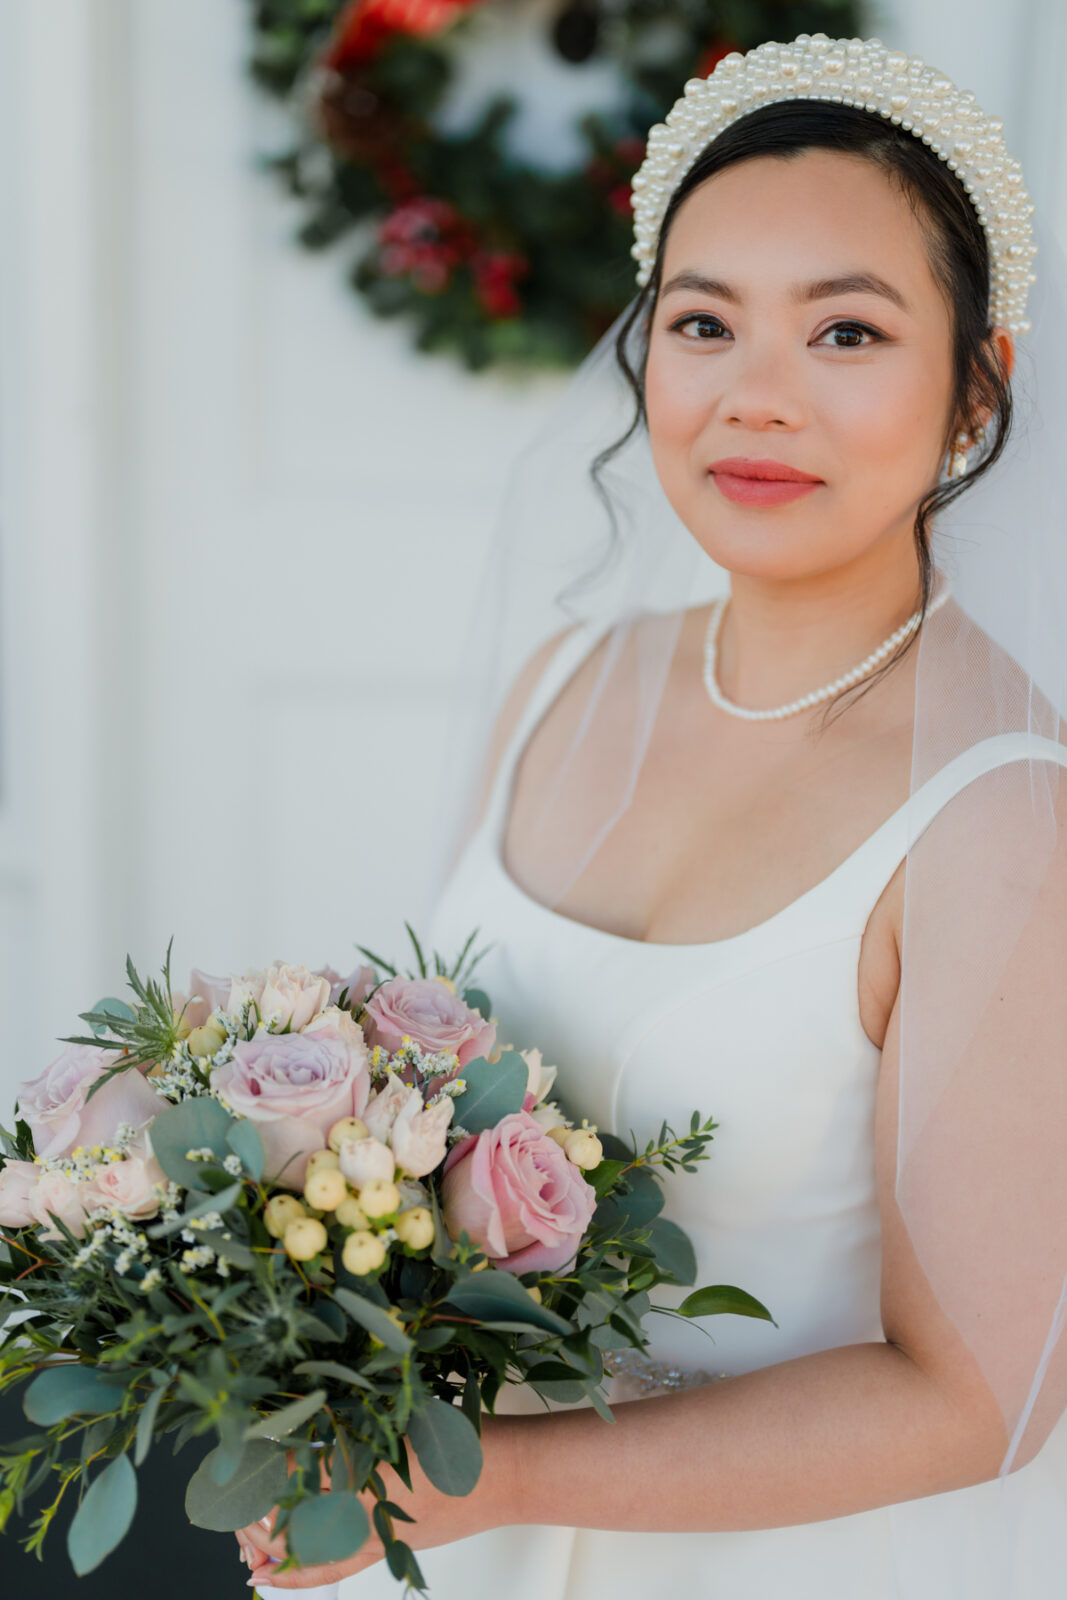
[(253, 1490), (492, 1092), (145, 1034), (103, 1519), (447, 1446)]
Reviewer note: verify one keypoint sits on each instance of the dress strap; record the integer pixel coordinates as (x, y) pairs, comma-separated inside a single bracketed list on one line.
[(565, 660), (870, 868)]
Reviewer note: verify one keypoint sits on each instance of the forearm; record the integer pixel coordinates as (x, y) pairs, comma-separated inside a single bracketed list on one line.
[(822, 1436)]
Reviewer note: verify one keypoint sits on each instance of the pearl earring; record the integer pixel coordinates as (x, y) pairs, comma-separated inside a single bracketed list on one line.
[(957, 464)]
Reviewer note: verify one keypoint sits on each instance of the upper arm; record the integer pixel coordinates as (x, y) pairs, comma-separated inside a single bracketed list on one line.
[(971, 1112)]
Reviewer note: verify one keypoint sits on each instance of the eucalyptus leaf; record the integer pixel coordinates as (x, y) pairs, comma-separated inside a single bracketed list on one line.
[(636, 1209), (333, 1369), (478, 1001), (146, 1423), (288, 1419), (196, 1124), (103, 1519), (254, 1489), (492, 1092), (106, 1008), (448, 1448), (499, 1296), (327, 1527), (674, 1251), (720, 1298), (245, 1142), (70, 1390), (374, 1320)]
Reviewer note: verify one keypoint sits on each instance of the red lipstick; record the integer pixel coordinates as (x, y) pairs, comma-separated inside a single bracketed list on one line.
[(760, 482)]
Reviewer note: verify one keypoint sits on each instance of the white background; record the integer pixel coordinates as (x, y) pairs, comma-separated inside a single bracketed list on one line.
[(239, 518)]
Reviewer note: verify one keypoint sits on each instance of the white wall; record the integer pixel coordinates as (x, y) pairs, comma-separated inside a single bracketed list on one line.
[(239, 518)]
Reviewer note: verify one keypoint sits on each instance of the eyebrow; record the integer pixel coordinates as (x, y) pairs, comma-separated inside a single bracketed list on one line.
[(820, 289)]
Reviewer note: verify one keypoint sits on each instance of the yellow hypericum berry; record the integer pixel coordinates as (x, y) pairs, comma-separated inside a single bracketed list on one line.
[(480, 1266), (362, 1252), (415, 1227), (183, 1024), (279, 1212), (350, 1214), (304, 1238), (322, 1161), (325, 1189), (584, 1149), (447, 982), (347, 1128), (379, 1197), (206, 1040), (534, 1292), (560, 1134)]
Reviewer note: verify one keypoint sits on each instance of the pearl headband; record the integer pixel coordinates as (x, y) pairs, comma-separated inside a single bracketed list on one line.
[(866, 74)]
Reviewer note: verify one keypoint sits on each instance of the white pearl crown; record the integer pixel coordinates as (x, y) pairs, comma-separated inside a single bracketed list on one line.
[(867, 74)]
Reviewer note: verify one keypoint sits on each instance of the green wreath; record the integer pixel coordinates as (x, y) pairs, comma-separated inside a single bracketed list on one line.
[(487, 256)]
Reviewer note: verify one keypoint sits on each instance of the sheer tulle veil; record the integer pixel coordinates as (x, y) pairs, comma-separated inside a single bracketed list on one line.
[(981, 1173)]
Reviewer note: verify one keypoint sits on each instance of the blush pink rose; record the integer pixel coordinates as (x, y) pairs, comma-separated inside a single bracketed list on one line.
[(295, 1086), (17, 1182), (60, 1116), (129, 1186), (59, 1196), (430, 1014), (419, 1135), (516, 1194)]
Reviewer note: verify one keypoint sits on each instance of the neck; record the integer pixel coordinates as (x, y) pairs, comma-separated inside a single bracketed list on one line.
[(781, 639)]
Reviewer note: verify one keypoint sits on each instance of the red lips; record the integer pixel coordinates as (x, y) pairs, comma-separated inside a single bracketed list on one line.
[(760, 483), (747, 467)]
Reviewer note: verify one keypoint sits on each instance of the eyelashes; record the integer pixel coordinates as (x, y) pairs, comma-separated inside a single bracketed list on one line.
[(845, 325)]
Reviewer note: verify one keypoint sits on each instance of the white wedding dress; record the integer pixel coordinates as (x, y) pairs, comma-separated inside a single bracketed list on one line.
[(785, 1207)]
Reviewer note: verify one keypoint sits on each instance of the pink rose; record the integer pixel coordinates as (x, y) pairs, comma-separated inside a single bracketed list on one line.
[(17, 1182), (430, 1014), (61, 1118), (63, 1198), (514, 1191), (383, 1107), (129, 1186), (294, 1087)]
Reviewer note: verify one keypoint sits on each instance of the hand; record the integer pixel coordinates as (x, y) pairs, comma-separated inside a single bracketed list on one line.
[(439, 1518)]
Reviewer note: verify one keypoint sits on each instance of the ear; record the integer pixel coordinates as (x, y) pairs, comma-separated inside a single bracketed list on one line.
[(1002, 343)]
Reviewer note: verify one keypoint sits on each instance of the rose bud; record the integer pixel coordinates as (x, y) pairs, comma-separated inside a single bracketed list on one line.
[(325, 1189), (304, 1238), (279, 1212), (344, 1129), (323, 1161), (379, 1197), (350, 1214), (364, 1159), (362, 1253), (583, 1148), (415, 1227)]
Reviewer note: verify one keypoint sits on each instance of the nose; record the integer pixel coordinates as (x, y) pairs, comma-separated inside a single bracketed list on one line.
[(761, 390)]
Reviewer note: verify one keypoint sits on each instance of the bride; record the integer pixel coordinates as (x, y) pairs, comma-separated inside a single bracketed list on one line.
[(770, 830)]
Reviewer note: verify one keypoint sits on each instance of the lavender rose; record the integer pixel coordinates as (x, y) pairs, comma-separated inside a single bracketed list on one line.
[(295, 1086), (61, 1118), (428, 1012), (515, 1192)]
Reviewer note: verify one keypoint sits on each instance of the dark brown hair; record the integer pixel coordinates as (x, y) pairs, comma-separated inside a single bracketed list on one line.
[(959, 258)]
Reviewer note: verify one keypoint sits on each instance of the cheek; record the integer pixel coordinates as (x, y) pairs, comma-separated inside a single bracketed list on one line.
[(678, 401), (887, 424)]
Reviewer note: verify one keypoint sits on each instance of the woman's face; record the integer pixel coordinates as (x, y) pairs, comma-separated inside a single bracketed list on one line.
[(798, 323)]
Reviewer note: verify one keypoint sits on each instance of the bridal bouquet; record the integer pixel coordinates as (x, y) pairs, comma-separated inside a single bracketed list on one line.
[(318, 1222)]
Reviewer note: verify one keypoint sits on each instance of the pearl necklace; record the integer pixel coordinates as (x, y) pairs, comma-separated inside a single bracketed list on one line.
[(847, 680)]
